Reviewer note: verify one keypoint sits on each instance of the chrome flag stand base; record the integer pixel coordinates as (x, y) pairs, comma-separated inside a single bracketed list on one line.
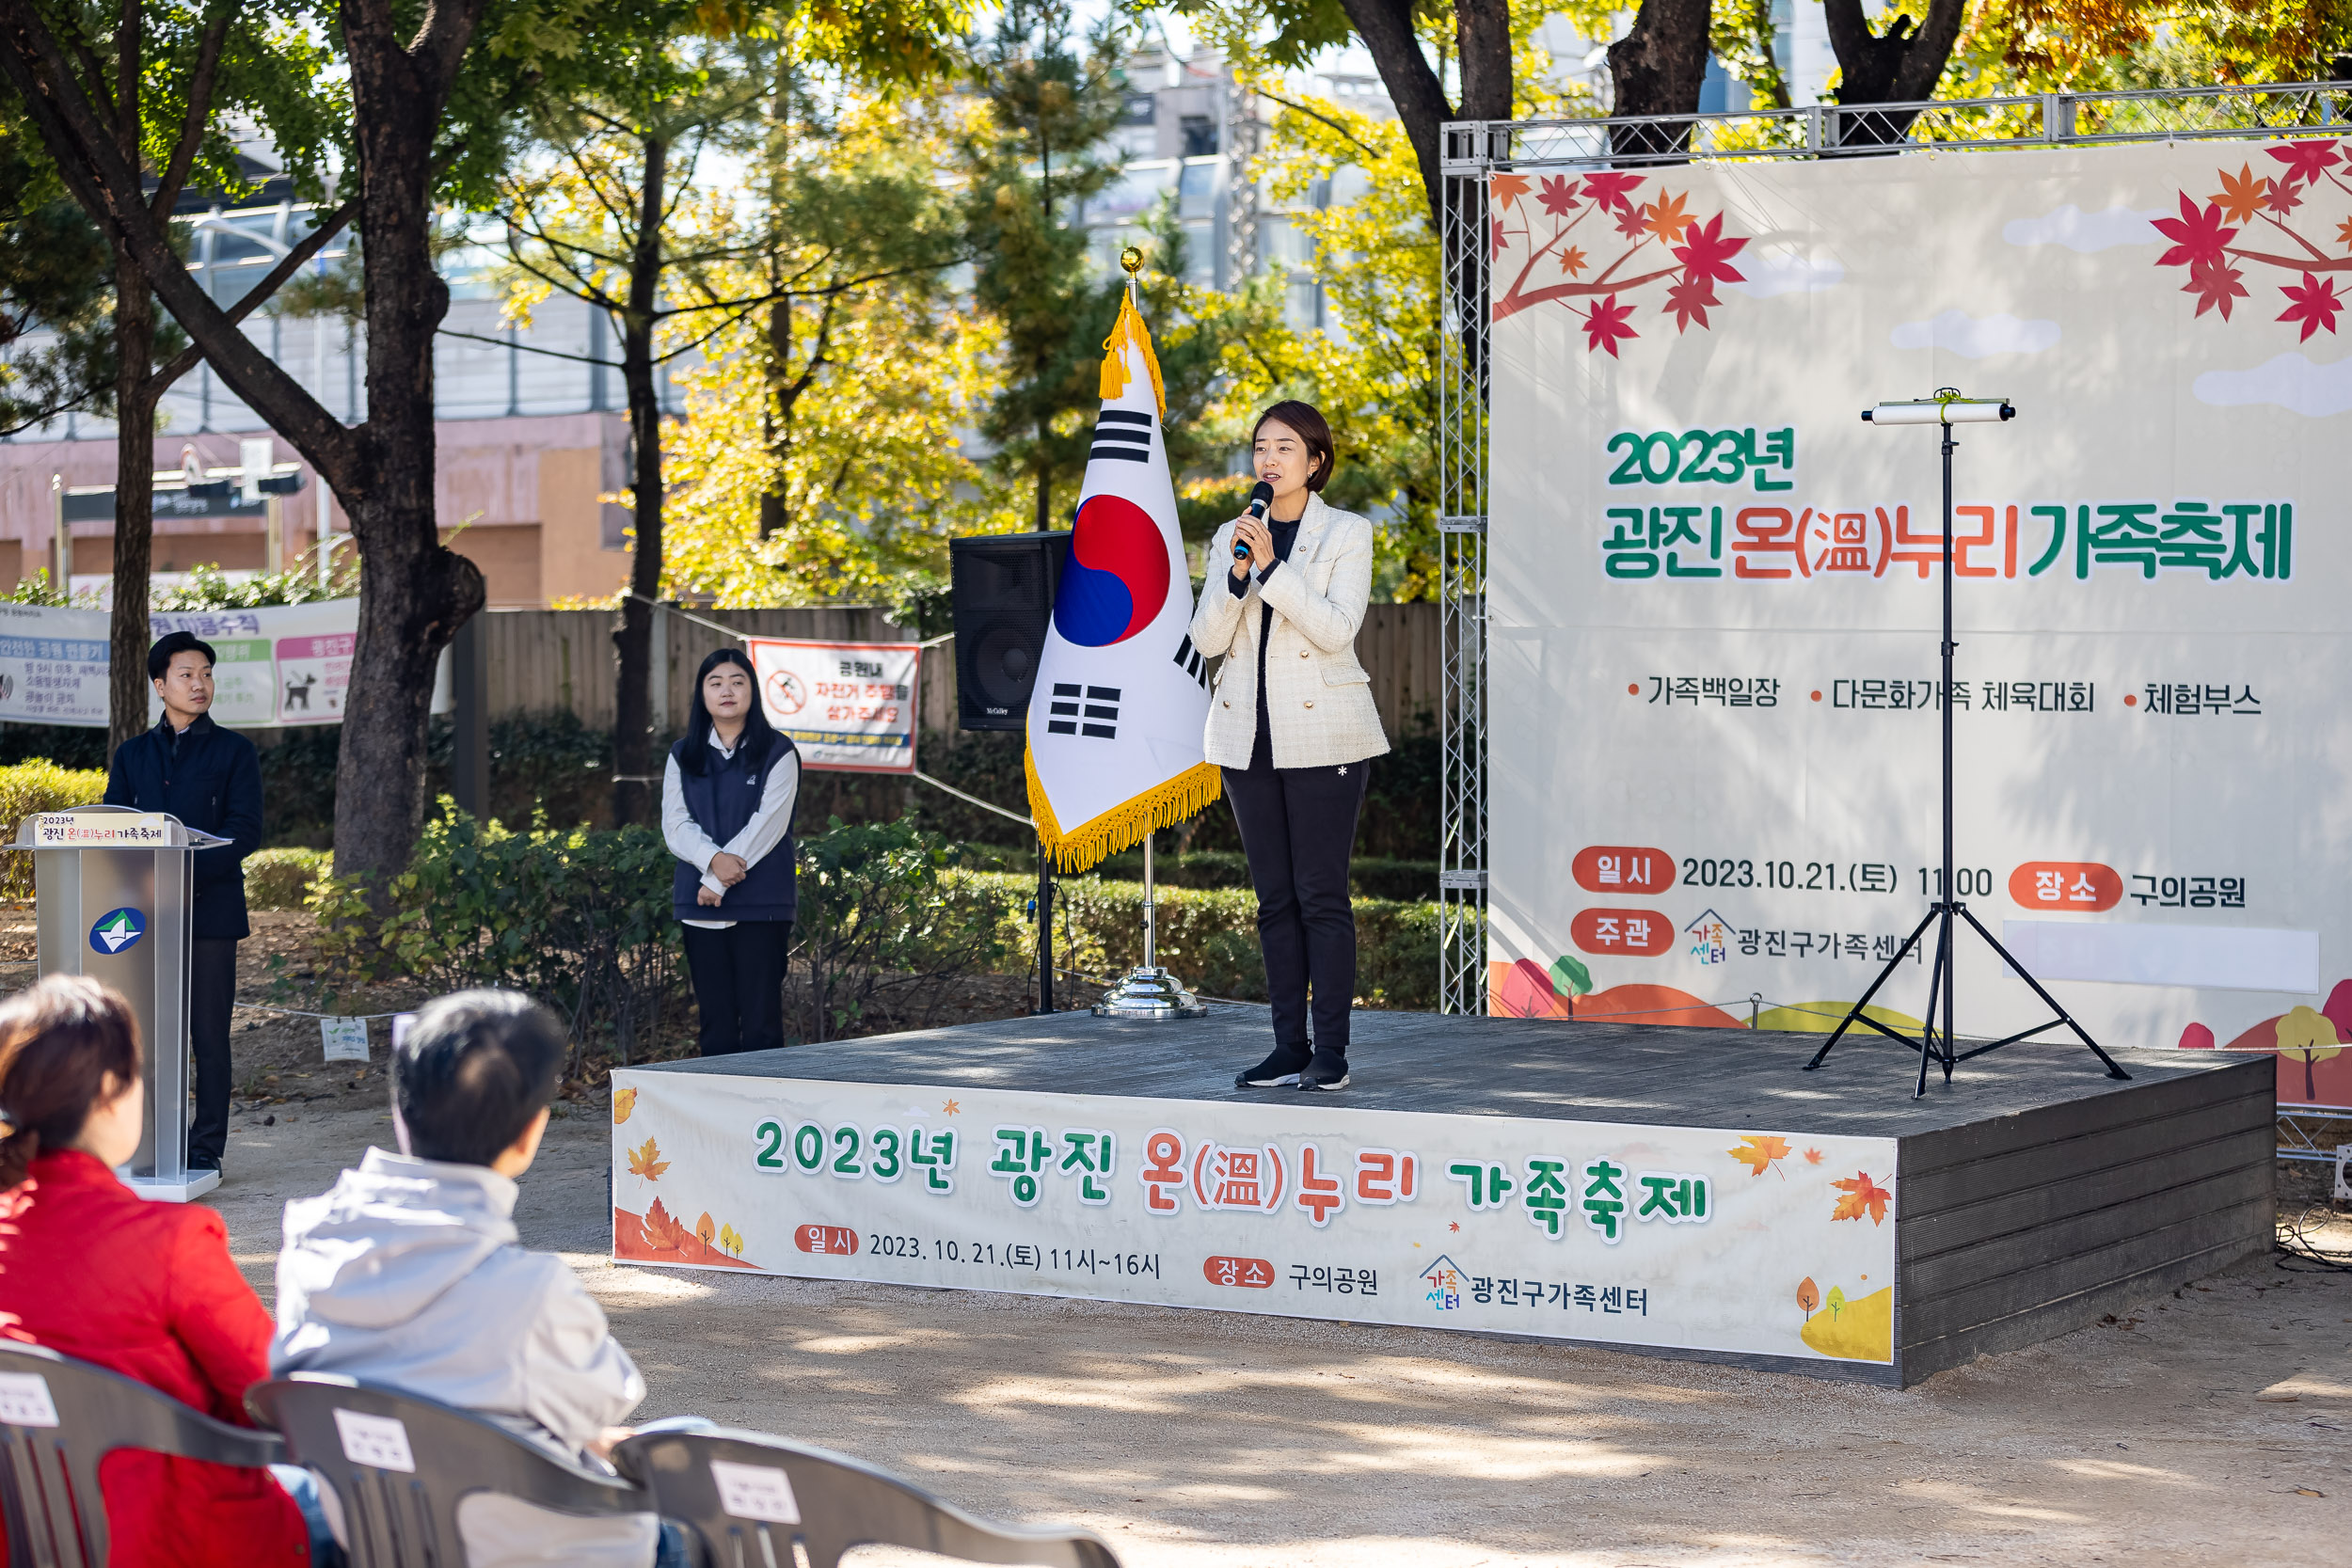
[(1149, 991)]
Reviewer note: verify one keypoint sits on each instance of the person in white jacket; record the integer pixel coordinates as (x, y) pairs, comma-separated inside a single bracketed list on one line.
[(1292, 727), (408, 1273)]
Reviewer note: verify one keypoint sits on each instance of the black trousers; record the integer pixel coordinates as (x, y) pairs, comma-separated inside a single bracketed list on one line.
[(738, 984), (1299, 827), (212, 994)]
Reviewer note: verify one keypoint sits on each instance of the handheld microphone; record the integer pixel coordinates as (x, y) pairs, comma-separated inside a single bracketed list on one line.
[(1260, 499)]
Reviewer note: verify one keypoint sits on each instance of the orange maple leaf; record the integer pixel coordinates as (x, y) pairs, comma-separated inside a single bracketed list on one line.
[(1509, 188), (1757, 1151), (2344, 233), (647, 1161), (1861, 1194), (1811, 1156), (662, 1231), (2242, 197), (1572, 261), (1667, 220), (624, 1102)]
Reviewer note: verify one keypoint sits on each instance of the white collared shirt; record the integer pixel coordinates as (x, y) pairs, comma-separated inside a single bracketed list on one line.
[(761, 835)]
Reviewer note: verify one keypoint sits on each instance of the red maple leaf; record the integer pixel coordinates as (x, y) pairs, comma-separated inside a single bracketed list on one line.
[(662, 1231), (1557, 196), (2199, 234), (2214, 282), (1706, 254), (1606, 323), (2283, 199), (1862, 1193), (1633, 222), (1689, 300), (2306, 161), (2316, 304), (1499, 237), (1609, 189)]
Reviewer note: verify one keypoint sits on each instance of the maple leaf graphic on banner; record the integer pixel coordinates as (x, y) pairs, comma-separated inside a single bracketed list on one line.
[(1606, 323), (2241, 194), (1600, 280), (1758, 1151), (647, 1161), (1862, 1194), (662, 1231), (1557, 196), (2197, 234), (1508, 188), (2215, 283), (2307, 161), (1666, 217), (2316, 304)]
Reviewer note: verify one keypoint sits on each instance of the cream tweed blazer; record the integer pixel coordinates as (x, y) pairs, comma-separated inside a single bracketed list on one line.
[(1319, 708)]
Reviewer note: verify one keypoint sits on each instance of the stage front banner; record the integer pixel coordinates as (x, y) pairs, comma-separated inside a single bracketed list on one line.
[(1714, 591), (1735, 1239), (849, 707)]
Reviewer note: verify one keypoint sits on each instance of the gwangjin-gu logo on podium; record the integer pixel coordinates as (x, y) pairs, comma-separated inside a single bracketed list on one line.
[(117, 929)]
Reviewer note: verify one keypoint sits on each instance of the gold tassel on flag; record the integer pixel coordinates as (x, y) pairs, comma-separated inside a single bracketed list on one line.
[(1180, 799)]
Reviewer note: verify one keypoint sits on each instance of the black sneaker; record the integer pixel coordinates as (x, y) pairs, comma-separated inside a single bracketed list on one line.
[(1279, 1070), (1329, 1070)]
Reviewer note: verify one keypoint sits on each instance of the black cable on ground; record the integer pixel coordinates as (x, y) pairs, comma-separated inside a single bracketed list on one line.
[(2297, 1247)]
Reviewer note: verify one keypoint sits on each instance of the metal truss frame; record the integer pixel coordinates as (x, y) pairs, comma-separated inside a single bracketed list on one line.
[(1472, 151)]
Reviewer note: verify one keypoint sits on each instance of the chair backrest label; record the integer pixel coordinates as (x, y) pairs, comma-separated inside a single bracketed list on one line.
[(760, 1492), (379, 1441), (24, 1400)]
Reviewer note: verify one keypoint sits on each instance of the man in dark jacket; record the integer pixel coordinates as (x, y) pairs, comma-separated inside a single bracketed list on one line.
[(210, 779)]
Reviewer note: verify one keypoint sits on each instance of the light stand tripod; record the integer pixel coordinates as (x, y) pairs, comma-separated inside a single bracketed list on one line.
[(1943, 410)]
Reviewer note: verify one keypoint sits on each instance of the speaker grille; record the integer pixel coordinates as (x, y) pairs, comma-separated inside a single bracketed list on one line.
[(1002, 588)]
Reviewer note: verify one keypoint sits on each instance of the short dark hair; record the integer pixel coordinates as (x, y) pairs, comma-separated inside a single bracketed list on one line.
[(58, 1040), (159, 657), (472, 1071), (1313, 428)]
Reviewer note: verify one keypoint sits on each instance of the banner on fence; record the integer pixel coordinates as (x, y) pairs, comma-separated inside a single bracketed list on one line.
[(849, 707), (1725, 1239), (1714, 591), (281, 665)]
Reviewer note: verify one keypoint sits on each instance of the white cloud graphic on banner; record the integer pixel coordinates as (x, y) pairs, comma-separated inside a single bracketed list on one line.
[(2289, 382), (1785, 272), (2078, 230), (1975, 336)]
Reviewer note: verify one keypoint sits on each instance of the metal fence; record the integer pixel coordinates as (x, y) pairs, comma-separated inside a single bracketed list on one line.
[(1474, 150)]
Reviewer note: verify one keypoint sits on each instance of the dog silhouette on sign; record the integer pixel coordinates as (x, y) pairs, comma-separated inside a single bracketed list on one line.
[(298, 692)]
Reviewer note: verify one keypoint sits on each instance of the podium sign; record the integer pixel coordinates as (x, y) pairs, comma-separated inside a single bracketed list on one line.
[(111, 890)]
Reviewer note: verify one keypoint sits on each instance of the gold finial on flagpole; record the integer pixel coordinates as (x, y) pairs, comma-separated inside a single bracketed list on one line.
[(1131, 259)]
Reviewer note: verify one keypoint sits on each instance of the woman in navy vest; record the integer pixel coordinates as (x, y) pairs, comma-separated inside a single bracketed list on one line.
[(726, 814)]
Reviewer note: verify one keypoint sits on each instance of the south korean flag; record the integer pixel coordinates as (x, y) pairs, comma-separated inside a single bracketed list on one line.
[(1121, 703)]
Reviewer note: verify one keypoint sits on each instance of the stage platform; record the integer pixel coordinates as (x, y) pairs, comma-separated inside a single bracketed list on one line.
[(2019, 1203)]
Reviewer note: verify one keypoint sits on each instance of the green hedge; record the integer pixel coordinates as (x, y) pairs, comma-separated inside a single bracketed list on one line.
[(281, 879), (29, 787), (1209, 936)]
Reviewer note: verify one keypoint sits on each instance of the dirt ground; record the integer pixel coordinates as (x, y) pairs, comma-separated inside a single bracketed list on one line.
[(2207, 1426)]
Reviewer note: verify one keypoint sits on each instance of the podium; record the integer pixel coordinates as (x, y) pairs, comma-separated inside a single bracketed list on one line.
[(111, 892)]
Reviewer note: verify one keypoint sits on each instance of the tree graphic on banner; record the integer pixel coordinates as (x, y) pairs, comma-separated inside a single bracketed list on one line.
[(1659, 241), (2246, 209)]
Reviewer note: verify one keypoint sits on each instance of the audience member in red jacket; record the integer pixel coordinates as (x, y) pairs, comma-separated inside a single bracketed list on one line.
[(147, 1289)]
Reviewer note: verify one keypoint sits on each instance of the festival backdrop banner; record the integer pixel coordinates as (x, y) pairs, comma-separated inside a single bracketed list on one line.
[(1714, 591), (849, 707), (1118, 714), (1692, 1238), (278, 666)]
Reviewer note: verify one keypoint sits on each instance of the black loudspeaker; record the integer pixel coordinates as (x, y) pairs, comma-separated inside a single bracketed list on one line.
[(1002, 588)]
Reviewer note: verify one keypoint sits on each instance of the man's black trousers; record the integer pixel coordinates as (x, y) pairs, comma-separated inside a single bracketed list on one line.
[(212, 994), (1298, 827), (738, 984)]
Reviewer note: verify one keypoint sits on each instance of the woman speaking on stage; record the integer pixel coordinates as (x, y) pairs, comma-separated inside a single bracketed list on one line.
[(1292, 727), (727, 795)]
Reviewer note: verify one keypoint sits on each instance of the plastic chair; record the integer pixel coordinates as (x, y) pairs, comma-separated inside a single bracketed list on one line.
[(401, 1463), (751, 1496), (59, 1418)]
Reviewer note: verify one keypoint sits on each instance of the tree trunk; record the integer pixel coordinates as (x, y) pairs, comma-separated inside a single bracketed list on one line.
[(1897, 66), (632, 732), (414, 592), (1657, 68), (1044, 477), (127, 686), (1387, 28), (776, 419)]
